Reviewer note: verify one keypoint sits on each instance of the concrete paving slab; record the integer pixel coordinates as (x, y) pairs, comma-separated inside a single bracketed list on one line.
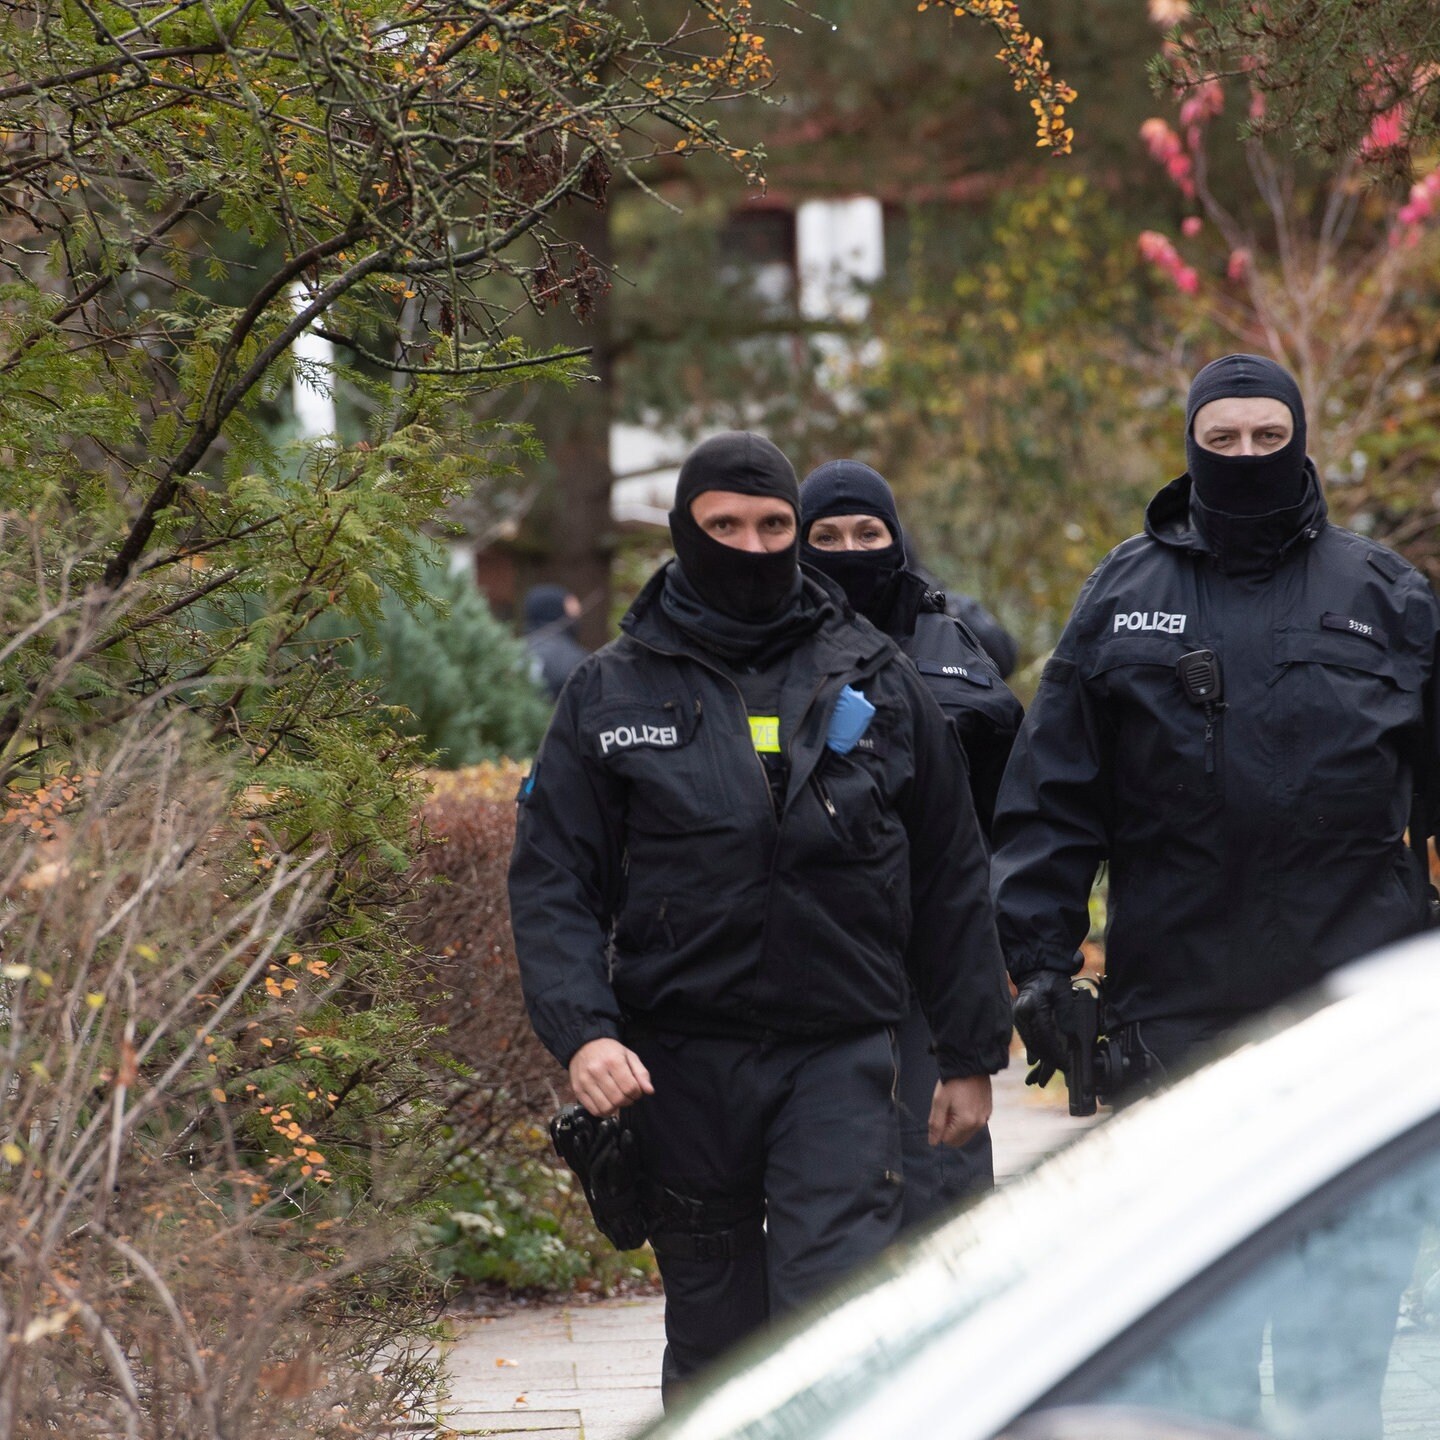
[(592, 1371), (514, 1422)]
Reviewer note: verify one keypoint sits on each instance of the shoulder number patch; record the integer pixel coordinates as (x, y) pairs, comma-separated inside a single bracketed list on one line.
[(1348, 625)]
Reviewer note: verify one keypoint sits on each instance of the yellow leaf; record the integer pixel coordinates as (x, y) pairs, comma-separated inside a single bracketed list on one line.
[(94, 999), (46, 1325), (12, 1152), (218, 1095)]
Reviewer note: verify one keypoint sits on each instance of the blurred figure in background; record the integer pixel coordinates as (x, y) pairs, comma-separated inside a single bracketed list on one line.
[(550, 613), (850, 531)]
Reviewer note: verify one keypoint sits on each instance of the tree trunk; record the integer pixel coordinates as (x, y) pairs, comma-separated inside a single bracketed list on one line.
[(568, 536)]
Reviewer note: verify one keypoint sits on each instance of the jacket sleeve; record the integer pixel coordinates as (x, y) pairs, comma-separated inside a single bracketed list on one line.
[(565, 879), (1052, 819), (954, 956), (988, 735)]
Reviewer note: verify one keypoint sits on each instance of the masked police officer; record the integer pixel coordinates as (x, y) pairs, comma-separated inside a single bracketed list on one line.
[(1237, 717), (1233, 718), (850, 530), (747, 832)]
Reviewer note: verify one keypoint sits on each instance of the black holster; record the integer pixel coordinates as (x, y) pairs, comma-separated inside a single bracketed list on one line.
[(630, 1208), (602, 1153)]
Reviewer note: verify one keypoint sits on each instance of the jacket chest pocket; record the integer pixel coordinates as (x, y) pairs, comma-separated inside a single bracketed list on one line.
[(964, 691), (1167, 749), (851, 791), (1351, 705), (656, 748)]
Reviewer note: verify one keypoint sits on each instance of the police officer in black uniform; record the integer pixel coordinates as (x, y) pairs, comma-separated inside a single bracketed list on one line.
[(1239, 717), (850, 530), (1254, 829), (746, 835)]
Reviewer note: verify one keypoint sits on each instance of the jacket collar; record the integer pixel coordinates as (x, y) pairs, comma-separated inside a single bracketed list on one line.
[(1177, 518), (843, 643)]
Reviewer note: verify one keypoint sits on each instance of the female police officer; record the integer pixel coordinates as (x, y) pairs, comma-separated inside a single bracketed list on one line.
[(850, 531)]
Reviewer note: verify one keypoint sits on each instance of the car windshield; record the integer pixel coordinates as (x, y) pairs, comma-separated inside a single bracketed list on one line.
[(1327, 1328)]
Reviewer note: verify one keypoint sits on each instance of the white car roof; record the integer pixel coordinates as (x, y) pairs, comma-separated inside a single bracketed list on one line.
[(997, 1306)]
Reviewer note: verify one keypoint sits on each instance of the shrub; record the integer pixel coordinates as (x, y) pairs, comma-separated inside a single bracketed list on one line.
[(461, 675), (178, 1127), (510, 1212)]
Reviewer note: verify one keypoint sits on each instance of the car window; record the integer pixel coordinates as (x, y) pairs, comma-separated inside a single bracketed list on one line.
[(1326, 1328)]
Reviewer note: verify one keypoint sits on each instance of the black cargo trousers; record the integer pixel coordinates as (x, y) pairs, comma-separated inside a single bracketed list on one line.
[(772, 1169)]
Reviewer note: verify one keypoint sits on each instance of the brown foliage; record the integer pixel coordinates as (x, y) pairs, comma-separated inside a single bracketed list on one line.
[(159, 1275), (461, 923)]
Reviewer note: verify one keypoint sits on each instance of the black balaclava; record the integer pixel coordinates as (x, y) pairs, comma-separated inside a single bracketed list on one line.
[(739, 584), (868, 577), (1247, 485)]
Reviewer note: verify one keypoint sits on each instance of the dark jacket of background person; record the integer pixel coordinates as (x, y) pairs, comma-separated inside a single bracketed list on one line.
[(654, 875), (1253, 848), (549, 637), (999, 644), (968, 687)]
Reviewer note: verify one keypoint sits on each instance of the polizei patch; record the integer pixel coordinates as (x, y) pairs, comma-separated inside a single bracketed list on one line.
[(1149, 620), (625, 737)]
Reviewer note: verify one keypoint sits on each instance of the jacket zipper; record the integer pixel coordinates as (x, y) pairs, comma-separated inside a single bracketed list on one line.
[(824, 794)]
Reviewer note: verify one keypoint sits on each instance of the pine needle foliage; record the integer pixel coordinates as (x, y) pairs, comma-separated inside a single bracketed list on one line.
[(458, 679)]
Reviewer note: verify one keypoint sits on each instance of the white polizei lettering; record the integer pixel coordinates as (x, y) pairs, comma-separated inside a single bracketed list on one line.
[(624, 736), (1144, 620)]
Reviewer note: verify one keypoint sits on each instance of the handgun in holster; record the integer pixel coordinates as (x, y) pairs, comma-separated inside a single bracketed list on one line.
[(603, 1155), (1098, 1066)]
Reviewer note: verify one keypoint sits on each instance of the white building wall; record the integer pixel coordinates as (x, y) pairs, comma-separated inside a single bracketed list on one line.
[(840, 250)]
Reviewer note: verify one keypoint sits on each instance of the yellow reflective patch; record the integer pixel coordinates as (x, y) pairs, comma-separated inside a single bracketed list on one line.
[(765, 733)]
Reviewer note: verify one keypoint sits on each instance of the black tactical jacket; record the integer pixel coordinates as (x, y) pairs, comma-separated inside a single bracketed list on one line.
[(653, 875), (1251, 848), (996, 641), (967, 685)]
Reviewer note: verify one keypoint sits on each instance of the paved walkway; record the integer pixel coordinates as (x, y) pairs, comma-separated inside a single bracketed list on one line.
[(592, 1371)]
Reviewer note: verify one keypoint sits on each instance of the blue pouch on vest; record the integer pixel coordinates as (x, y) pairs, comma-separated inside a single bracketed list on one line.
[(849, 721)]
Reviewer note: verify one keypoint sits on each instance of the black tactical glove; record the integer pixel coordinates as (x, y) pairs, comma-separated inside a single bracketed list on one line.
[(1041, 992)]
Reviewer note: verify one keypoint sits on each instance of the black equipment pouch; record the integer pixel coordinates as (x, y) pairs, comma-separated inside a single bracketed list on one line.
[(603, 1156), (709, 1230)]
